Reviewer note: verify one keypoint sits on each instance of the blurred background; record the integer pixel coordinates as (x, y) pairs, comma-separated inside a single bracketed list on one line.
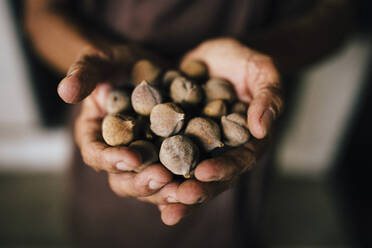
[(320, 194)]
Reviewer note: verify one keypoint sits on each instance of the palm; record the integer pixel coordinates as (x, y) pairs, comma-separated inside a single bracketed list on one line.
[(253, 74)]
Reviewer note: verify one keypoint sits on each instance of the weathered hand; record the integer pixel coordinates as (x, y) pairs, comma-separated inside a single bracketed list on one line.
[(256, 81), (90, 79)]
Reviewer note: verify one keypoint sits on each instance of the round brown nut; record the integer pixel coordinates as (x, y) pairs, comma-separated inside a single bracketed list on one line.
[(241, 119), (235, 129), (144, 98), (169, 76), (206, 132), (218, 88), (166, 119), (194, 68), (117, 101), (179, 155), (118, 129), (148, 151), (185, 92), (215, 108), (239, 107), (145, 70)]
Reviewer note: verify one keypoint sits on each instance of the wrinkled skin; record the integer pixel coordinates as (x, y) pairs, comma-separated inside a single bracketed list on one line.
[(256, 81)]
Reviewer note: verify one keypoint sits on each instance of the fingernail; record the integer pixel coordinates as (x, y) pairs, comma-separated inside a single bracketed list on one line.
[(155, 185), (171, 200), (122, 166), (267, 119)]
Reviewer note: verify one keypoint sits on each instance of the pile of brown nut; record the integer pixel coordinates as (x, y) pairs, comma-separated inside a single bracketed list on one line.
[(177, 117)]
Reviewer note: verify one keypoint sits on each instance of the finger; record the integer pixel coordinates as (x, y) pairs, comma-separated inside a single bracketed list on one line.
[(173, 213), (100, 94), (263, 109), (166, 195), (161, 207), (151, 179), (92, 67), (263, 81), (194, 192), (96, 153), (226, 166), (139, 185), (122, 184)]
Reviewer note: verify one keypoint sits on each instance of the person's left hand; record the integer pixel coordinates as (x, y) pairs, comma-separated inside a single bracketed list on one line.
[(256, 81)]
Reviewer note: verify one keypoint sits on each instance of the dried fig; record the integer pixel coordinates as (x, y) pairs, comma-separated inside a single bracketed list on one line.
[(179, 155), (117, 101), (215, 108), (145, 70), (185, 92), (194, 69), (144, 98), (118, 129), (205, 131), (166, 119), (239, 107), (235, 129), (218, 88)]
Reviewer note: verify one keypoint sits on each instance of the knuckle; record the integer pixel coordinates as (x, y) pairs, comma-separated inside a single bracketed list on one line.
[(88, 158)]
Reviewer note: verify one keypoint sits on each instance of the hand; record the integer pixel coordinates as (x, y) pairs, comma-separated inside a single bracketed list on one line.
[(256, 81), (91, 78)]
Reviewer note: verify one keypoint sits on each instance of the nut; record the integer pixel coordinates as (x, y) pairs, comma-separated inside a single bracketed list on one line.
[(235, 129), (194, 69), (218, 88), (216, 108), (205, 131), (169, 76), (117, 101), (144, 98), (241, 119), (185, 92), (239, 107), (149, 153), (179, 155), (118, 129), (166, 119), (145, 70)]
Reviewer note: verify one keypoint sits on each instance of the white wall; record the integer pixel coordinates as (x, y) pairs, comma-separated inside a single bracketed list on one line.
[(325, 103), (24, 145)]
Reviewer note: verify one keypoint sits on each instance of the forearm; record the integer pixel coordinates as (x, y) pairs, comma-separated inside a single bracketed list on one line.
[(56, 38), (294, 44)]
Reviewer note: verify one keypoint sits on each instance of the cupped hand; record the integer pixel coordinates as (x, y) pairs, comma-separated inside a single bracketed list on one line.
[(256, 81), (89, 80)]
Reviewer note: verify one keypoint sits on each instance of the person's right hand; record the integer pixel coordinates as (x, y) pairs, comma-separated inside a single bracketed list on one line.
[(90, 80)]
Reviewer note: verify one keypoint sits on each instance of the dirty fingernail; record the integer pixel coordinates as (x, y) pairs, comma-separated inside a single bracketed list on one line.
[(122, 166), (155, 185)]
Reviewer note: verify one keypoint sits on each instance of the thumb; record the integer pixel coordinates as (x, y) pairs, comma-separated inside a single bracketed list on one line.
[(89, 69), (263, 109)]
